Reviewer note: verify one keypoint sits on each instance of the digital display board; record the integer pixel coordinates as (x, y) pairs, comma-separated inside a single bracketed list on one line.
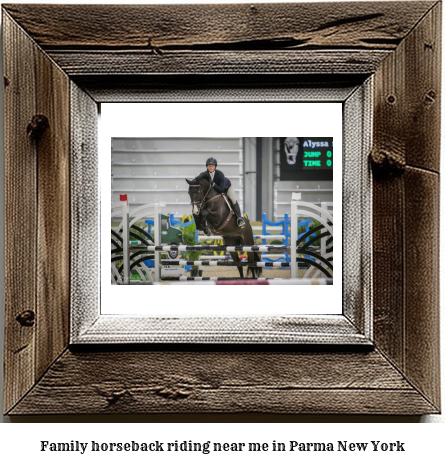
[(306, 158)]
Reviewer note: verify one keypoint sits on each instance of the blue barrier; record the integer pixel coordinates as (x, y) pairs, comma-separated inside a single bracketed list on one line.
[(285, 226), (150, 224), (173, 222), (306, 223)]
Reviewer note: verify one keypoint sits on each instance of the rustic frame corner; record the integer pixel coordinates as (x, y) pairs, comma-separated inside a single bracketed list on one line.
[(82, 67)]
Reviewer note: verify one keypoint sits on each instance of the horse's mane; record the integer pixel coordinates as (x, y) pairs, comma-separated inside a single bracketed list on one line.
[(197, 181), (203, 176)]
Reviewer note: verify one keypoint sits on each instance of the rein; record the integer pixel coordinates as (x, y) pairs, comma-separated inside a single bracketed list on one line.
[(213, 198), (204, 198), (203, 201)]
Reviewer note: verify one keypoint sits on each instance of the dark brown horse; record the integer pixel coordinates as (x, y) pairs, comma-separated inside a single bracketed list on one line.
[(213, 208)]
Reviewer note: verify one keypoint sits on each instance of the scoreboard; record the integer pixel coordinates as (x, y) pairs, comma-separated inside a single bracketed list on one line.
[(306, 158)]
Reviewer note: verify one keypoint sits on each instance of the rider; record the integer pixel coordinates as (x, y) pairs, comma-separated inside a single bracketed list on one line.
[(222, 185)]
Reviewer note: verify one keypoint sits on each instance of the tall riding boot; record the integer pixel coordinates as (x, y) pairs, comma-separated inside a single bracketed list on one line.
[(240, 220)]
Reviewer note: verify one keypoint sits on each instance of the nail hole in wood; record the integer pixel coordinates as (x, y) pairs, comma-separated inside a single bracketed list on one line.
[(26, 318), (430, 97), (37, 126)]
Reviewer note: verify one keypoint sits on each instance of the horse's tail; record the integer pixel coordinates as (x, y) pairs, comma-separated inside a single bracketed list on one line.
[(255, 272), (247, 239)]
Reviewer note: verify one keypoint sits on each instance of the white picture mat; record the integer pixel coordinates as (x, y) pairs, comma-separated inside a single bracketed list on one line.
[(218, 120)]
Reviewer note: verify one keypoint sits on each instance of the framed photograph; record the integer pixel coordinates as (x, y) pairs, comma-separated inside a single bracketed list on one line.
[(156, 169), (121, 104)]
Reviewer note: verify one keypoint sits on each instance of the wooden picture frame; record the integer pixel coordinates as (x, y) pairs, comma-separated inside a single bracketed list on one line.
[(77, 56)]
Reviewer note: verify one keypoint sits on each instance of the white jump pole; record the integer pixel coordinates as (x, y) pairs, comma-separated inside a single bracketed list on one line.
[(125, 242), (294, 235), (324, 206), (157, 234)]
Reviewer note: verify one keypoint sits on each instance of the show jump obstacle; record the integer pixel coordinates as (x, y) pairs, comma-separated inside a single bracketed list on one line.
[(132, 254)]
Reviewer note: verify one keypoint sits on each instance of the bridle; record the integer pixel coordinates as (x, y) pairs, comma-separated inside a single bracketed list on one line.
[(203, 200)]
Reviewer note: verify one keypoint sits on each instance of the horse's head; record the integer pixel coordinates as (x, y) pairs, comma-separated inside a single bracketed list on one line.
[(199, 189), (196, 194)]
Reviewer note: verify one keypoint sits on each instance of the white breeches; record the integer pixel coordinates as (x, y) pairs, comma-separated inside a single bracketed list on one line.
[(231, 194)]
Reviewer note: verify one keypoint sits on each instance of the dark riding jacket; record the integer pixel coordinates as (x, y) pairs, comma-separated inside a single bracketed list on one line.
[(221, 183)]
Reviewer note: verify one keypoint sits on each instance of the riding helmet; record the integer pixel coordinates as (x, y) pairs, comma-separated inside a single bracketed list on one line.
[(211, 161)]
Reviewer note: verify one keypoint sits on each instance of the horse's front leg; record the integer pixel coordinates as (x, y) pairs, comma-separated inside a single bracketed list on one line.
[(204, 226)]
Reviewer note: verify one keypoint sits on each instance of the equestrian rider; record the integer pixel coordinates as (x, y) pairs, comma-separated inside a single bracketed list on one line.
[(222, 185)]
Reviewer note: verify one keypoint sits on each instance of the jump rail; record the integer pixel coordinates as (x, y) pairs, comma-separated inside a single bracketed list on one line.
[(224, 263), (264, 237), (221, 248), (228, 257), (251, 281)]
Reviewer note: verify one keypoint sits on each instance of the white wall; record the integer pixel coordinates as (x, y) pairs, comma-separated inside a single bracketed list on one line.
[(154, 169)]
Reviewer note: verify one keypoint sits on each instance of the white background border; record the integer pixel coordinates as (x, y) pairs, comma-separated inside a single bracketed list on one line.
[(218, 120)]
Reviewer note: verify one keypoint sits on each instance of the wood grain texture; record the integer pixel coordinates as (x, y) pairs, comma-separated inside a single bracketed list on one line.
[(357, 208), (406, 206), (422, 324), (93, 328), (389, 141), (20, 213), (53, 227), (408, 86), (223, 382), (388, 271), (213, 88), (229, 39), (160, 27), (85, 210), (37, 217), (399, 42), (423, 92), (100, 63)]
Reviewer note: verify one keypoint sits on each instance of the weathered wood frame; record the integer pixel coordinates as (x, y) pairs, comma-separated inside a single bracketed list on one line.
[(78, 56), (91, 323)]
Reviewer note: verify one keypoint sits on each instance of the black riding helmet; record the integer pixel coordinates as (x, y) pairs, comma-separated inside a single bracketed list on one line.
[(211, 161)]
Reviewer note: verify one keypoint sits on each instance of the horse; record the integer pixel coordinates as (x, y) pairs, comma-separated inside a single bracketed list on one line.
[(221, 221)]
